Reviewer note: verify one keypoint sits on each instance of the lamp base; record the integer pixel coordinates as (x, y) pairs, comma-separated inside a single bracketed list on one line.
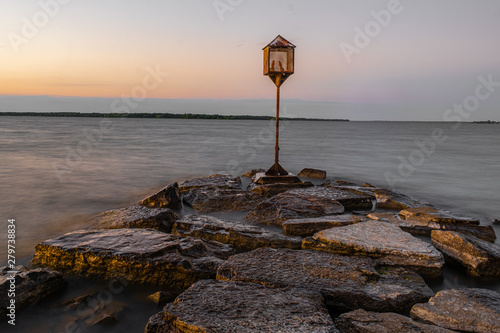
[(276, 170)]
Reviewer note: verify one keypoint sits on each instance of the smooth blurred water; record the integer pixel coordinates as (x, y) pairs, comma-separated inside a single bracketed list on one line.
[(56, 172)]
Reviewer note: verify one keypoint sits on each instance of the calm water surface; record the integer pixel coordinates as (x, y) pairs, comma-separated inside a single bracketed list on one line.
[(56, 172)]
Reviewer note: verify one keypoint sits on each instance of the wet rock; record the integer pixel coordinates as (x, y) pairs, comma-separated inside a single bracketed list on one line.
[(169, 197), (163, 297), (385, 217), (425, 215), (346, 283), (496, 222), (135, 255), (312, 173), (310, 226), (350, 199), (387, 199), (385, 242), (253, 172), (286, 206), (269, 190), (31, 286), (221, 181), (240, 236), (464, 310), (368, 185), (422, 220), (212, 199), (361, 321), (137, 217), (479, 257), (219, 306)]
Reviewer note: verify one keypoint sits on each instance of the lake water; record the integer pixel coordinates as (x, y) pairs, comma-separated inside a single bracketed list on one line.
[(56, 172)]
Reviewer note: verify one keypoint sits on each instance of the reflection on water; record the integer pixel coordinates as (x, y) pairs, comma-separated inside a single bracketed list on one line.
[(56, 172)]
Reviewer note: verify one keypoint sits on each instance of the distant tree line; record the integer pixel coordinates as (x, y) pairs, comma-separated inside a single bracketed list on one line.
[(153, 115)]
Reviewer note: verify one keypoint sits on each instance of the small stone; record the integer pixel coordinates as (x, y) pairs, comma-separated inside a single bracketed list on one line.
[(219, 306), (162, 297), (240, 236), (214, 199), (139, 217), (310, 226), (479, 257), (496, 222), (361, 321), (396, 201), (169, 197), (253, 172), (286, 206), (312, 173), (368, 185), (385, 242), (464, 310)]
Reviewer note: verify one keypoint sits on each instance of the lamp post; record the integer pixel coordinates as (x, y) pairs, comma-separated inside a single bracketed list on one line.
[(279, 56)]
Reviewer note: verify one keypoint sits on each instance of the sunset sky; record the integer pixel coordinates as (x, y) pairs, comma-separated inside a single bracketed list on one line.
[(427, 53)]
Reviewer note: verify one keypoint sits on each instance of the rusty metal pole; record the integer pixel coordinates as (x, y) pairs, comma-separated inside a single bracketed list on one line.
[(277, 147)]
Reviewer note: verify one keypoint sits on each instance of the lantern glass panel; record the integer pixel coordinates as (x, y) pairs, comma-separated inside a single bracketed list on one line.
[(278, 61)]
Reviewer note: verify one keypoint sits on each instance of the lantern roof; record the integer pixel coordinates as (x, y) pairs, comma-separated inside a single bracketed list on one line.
[(280, 42)]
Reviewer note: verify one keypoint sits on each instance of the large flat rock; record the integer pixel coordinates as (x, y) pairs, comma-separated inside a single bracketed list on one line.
[(169, 197), (417, 226), (31, 286), (221, 181), (346, 283), (137, 255), (240, 236), (425, 215), (213, 199), (136, 217), (310, 226), (464, 310), (383, 241), (268, 190), (361, 321), (479, 257), (349, 198), (230, 307), (286, 206)]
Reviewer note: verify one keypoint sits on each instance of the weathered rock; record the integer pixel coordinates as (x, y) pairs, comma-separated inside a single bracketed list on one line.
[(268, 190), (31, 286), (464, 310), (253, 172), (261, 178), (137, 217), (387, 199), (418, 227), (286, 206), (384, 241), (136, 255), (361, 321), (478, 256), (369, 185), (425, 215), (310, 226), (212, 199), (169, 197), (240, 236), (350, 199), (312, 173), (346, 283), (221, 181), (219, 306), (496, 222), (163, 297)]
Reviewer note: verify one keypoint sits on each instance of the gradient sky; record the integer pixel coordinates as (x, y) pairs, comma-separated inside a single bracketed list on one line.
[(427, 58)]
